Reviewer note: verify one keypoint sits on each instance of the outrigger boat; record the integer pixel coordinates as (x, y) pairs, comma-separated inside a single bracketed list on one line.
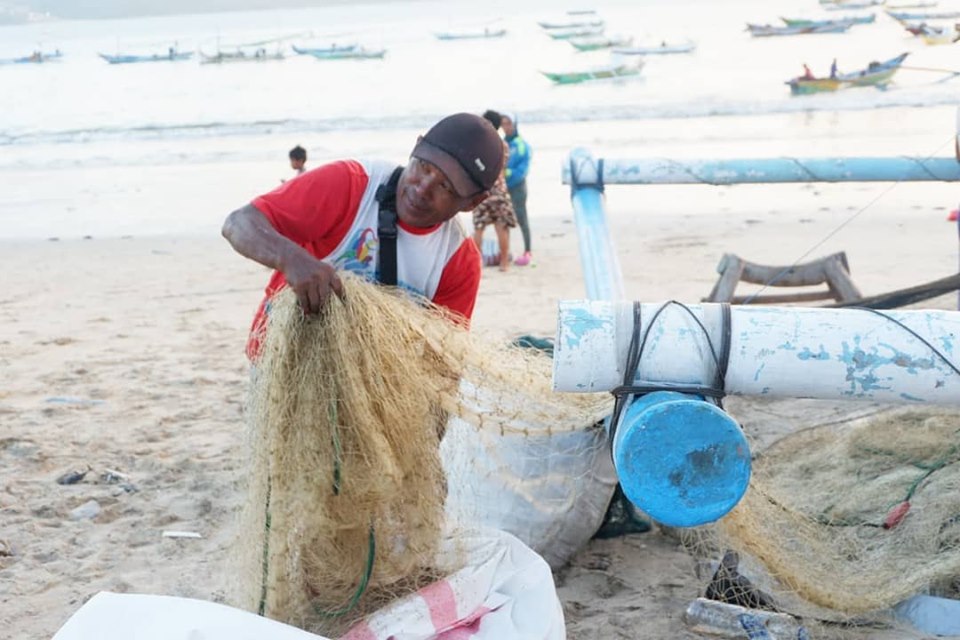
[(37, 57), (831, 5), (573, 23), (803, 22), (471, 34), (125, 58), (358, 53), (593, 43), (877, 74), (662, 48), (766, 30), (332, 48), (938, 35), (258, 55), (574, 32), (923, 15), (605, 72)]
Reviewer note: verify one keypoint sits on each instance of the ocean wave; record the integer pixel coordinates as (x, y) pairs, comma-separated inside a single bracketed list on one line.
[(849, 101)]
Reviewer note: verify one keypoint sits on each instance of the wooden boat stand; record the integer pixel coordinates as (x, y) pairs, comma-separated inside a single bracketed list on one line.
[(832, 270)]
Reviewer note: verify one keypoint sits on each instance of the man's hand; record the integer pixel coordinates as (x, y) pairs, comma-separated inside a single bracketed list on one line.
[(312, 280)]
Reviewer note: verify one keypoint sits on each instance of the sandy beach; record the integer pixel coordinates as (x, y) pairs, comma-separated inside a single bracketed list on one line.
[(123, 356)]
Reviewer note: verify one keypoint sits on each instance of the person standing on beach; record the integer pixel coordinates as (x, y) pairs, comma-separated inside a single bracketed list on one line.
[(497, 209), (392, 224), (518, 165)]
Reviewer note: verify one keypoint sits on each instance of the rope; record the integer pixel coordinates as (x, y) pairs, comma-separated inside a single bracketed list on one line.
[(715, 392), (776, 278)]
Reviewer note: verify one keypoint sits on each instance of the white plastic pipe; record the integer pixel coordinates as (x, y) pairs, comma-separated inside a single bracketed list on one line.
[(845, 354)]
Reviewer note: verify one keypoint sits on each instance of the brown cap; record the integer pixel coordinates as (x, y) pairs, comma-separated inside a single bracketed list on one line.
[(467, 149)]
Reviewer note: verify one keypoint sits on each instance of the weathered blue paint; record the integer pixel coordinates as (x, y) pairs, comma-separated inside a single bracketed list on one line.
[(786, 346), (910, 398), (806, 354), (598, 256), (861, 367), (680, 459), (579, 323), (756, 376), (776, 170)]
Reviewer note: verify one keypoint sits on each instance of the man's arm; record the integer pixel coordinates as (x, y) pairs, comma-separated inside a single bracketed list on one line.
[(251, 235)]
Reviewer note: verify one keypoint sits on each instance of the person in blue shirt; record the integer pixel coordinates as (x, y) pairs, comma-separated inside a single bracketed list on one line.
[(518, 165)]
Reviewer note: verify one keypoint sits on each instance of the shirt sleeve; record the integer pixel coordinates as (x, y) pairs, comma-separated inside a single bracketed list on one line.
[(315, 207), (460, 281)]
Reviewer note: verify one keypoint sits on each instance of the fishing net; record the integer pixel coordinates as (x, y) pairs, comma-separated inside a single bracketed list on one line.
[(843, 521), (345, 506)]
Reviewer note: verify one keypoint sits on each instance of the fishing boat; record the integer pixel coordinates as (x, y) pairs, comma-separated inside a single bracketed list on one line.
[(126, 58), (766, 30), (923, 15), (938, 35), (330, 48), (911, 5), (37, 57), (615, 69), (470, 34), (360, 53), (590, 20), (593, 43), (876, 74), (575, 32), (804, 22), (241, 55), (830, 5), (658, 49)]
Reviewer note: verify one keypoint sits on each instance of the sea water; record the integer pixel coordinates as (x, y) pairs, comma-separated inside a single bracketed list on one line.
[(80, 112)]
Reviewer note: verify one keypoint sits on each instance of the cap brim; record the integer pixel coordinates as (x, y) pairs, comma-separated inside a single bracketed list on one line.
[(461, 181)]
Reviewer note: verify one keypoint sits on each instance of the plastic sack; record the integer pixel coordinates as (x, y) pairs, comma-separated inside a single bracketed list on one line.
[(550, 490), (121, 616), (504, 591)]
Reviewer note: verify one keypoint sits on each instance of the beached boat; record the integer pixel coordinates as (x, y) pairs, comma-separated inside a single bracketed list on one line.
[(471, 34), (127, 58), (657, 49), (876, 74), (593, 43), (574, 32), (330, 48), (241, 55), (766, 30), (360, 53), (804, 22), (616, 69)]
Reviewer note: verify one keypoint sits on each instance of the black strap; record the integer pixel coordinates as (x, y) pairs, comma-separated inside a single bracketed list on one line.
[(387, 229), (629, 388)]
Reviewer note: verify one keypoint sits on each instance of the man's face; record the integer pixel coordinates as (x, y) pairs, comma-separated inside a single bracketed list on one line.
[(507, 125), (296, 164), (425, 197)]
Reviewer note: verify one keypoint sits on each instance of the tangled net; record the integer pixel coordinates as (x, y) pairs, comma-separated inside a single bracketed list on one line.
[(345, 508), (842, 522)]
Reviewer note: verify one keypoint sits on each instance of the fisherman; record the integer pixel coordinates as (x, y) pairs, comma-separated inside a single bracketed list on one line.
[(833, 69), (807, 74), (395, 225)]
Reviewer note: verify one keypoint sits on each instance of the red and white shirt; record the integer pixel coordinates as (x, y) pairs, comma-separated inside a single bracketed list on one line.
[(332, 212)]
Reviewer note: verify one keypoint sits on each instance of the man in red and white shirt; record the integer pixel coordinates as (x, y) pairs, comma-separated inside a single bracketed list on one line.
[(327, 220)]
